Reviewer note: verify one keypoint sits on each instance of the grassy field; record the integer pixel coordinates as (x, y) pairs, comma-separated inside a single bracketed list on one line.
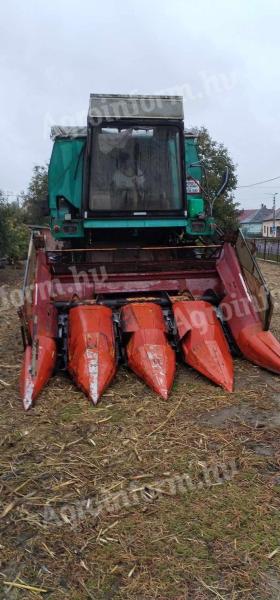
[(65, 457)]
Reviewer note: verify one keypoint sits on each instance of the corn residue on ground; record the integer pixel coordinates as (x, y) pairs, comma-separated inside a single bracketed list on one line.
[(118, 502)]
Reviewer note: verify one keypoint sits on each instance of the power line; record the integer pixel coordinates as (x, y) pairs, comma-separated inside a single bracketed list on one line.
[(256, 195), (10, 194), (276, 186), (258, 182)]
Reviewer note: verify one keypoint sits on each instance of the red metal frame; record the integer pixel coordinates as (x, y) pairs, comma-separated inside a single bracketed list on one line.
[(173, 273)]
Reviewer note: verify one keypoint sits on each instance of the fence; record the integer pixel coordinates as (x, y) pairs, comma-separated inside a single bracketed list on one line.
[(266, 248)]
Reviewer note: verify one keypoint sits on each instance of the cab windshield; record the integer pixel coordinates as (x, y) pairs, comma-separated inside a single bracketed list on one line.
[(135, 169)]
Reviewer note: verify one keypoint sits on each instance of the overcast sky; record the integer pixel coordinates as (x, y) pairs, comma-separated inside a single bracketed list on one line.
[(223, 56)]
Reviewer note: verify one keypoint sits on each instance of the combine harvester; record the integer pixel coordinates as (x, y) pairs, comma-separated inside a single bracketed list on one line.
[(132, 268)]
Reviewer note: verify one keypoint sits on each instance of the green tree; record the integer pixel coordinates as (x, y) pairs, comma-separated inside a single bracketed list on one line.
[(14, 233), (36, 196), (215, 157)]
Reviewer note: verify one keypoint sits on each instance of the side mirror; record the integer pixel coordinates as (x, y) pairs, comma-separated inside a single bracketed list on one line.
[(224, 183)]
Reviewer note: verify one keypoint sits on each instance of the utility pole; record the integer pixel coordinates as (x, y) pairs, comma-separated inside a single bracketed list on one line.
[(274, 214)]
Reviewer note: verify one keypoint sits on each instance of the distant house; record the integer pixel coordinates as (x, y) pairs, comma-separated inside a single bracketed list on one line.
[(251, 221), (268, 225)]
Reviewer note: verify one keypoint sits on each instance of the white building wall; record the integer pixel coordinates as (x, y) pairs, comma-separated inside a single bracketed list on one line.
[(267, 228)]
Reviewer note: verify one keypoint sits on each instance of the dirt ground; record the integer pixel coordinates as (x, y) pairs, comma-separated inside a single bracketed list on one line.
[(65, 457)]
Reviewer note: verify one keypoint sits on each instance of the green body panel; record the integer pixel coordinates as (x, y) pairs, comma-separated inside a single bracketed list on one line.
[(195, 206), (66, 181), (195, 202), (66, 172), (132, 223), (191, 157)]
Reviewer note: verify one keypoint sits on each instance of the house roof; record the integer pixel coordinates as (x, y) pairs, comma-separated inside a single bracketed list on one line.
[(255, 215), (246, 214), (270, 216)]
